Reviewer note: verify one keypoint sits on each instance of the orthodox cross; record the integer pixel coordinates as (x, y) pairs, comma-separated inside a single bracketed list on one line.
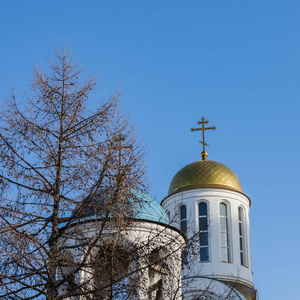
[(120, 138), (203, 128)]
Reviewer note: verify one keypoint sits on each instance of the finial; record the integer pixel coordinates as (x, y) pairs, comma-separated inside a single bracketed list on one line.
[(204, 155), (202, 128)]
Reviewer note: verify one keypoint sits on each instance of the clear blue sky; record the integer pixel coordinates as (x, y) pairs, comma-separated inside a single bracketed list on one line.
[(235, 62)]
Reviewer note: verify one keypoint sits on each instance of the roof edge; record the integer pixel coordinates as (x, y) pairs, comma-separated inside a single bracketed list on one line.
[(202, 186)]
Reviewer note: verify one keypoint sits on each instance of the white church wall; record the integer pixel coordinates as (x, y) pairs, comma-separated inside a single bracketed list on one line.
[(232, 270), (145, 236), (211, 289)]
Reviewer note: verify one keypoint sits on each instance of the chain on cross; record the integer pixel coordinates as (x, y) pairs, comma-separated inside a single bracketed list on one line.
[(203, 128)]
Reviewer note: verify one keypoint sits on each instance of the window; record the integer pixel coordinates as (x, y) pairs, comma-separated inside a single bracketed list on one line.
[(225, 251), (66, 271), (157, 270), (242, 237), (203, 232), (183, 219), (183, 228), (111, 267)]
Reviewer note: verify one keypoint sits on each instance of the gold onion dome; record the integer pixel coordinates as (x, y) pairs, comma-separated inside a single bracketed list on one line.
[(205, 174)]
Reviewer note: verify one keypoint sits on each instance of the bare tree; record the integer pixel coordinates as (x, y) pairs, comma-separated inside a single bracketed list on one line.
[(72, 181), (57, 158)]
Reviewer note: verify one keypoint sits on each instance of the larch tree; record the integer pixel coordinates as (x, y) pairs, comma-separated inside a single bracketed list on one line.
[(72, 179), (58, 159)]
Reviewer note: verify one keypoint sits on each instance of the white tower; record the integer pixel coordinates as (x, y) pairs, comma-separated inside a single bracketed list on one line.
[(207, 203)]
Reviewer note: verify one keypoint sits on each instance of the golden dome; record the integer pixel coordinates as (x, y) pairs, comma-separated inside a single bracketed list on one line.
[(205, 173)]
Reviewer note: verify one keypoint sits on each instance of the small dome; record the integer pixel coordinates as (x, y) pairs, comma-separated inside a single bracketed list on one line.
[(205, 173), (144, 208), (150, 210)]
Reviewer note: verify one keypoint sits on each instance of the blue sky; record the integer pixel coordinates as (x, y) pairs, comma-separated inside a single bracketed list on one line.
[(234, 62)]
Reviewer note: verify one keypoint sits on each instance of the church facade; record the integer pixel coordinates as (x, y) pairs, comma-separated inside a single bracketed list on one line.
[(195, 245)]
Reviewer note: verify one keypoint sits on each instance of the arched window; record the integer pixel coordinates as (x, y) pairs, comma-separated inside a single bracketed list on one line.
[(183, 228), (157, 270), (111, 267), (183, 219), (66, 272), (243, 258), (203, 231), (224, 232)]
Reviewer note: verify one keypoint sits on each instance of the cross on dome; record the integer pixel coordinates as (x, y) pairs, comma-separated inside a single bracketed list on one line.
[(120, 138), (203, 128)]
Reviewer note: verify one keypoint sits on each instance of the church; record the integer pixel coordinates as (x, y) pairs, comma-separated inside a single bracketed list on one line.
[(195, 245)]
